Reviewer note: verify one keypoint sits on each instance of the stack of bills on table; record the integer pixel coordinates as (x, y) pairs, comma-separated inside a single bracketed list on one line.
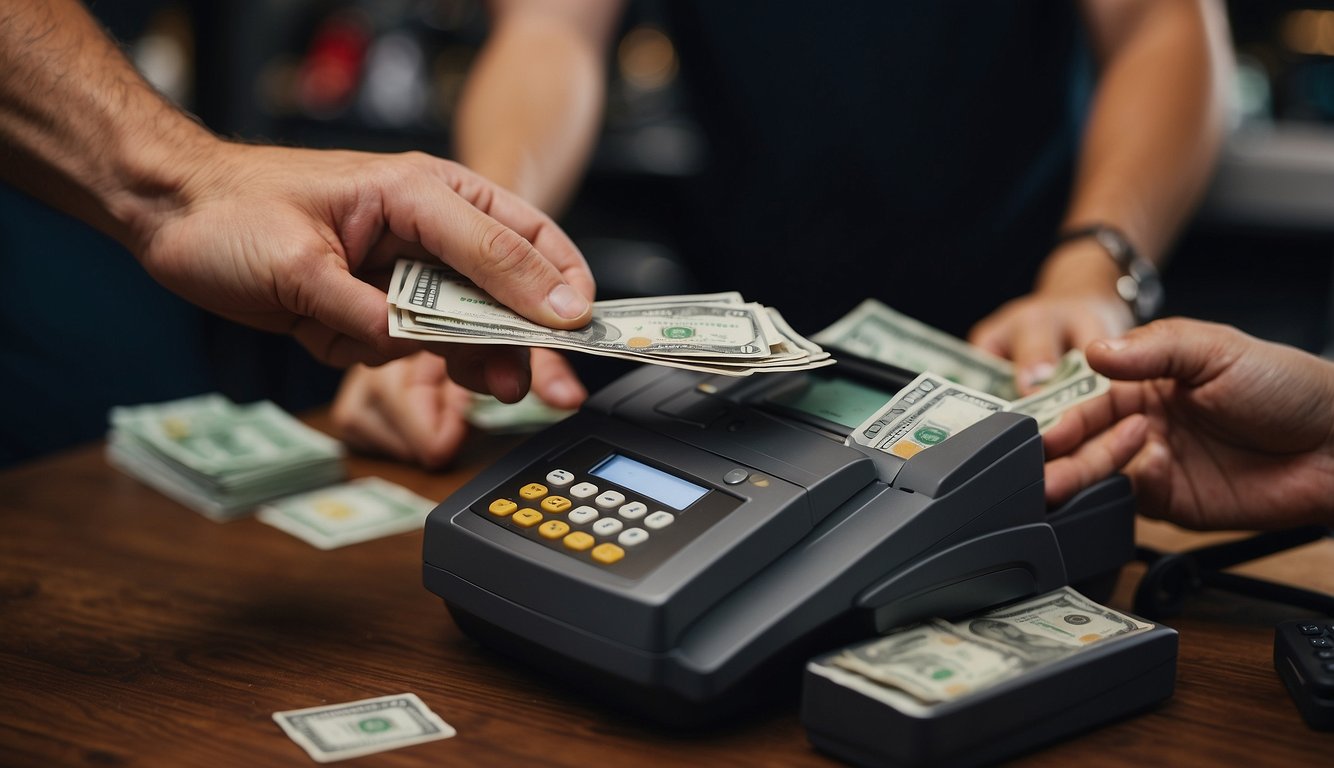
[(982, 689), (939, 661), (717, 333), (959, 384), (220, 458)]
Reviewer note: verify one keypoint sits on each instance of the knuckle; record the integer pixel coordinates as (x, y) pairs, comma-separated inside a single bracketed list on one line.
[(505, 251)]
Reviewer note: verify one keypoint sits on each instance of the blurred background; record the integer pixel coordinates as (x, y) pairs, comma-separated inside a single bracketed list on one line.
[(386, 74)]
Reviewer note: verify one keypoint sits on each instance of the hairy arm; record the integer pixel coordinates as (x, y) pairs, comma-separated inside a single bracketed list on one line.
[(79, 128), (530, 110), (1147, 153), (1155, 128)]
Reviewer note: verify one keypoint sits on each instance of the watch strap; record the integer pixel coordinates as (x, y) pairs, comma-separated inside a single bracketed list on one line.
[(1139, 285)]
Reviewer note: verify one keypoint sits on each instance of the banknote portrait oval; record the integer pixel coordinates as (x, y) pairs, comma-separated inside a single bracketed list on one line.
[(374, 725)]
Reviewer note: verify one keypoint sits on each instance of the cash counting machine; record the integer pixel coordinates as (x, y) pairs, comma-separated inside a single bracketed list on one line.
[(682, 543)]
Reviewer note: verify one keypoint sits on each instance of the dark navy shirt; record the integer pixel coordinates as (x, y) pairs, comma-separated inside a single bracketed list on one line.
[(921, 153)]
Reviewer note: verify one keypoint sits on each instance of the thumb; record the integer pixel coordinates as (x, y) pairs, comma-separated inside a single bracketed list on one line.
[(551, 286), (1190, 351)]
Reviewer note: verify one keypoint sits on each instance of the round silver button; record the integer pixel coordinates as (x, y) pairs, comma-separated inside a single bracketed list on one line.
[(735, 476)]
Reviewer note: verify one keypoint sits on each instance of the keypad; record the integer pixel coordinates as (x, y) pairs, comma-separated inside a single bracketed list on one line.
[(1316, 639), (558, 503), (593, 522)]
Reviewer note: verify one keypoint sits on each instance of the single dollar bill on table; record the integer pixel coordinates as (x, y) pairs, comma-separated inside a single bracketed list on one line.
[(218, 457), (715, 333), (341, 731), (938, 660), (364, 509)]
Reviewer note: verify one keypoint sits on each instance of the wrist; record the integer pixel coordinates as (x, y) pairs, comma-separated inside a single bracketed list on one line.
[(1079, 267), (154, 172), (1136, 281)]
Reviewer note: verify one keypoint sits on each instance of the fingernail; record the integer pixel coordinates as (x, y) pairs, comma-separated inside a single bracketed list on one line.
[(1037, 374), (1113, 345), (563, 392), (567, 302)]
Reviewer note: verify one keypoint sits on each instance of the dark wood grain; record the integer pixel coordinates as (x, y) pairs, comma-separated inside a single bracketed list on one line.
[(136, 632)]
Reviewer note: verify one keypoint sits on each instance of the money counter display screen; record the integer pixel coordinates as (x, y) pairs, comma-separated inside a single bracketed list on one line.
[(839, 400), (653, 483)]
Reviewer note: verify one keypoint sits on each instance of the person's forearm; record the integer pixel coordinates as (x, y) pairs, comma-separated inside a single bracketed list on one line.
[(532, 106), (1157, 119), (79, 128)]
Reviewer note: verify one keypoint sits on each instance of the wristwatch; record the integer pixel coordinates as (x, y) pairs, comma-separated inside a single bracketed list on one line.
[(1138, 284)]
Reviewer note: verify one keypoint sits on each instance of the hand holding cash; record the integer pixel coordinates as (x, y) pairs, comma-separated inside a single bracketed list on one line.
[(959, 384), (716, 333), (722, 333)]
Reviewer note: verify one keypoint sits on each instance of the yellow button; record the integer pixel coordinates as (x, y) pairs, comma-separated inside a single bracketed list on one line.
[(527, 517), (579, 541), (533, 491), (555, 504), (502, 507), (553, 529), (607, 553)]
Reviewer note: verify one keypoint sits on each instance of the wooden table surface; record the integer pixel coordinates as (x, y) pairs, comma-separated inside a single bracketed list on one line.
[(134, 631)]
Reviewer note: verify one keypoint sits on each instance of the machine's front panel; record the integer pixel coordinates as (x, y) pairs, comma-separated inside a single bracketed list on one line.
[(607, 507)]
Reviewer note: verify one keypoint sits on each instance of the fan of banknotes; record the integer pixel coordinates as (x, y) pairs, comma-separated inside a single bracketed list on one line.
[(958, 386), (715, 333), (220, 458)]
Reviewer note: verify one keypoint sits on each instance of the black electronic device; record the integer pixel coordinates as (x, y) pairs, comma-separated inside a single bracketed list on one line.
[(1304, 660), (684, 542)]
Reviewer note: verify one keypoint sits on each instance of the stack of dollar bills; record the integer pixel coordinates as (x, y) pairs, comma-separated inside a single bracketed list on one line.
[(220, 458), (938, 661), (979, 690), (958, 384), (716, 333)]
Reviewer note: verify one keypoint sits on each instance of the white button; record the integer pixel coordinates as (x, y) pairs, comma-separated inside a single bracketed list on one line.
[(582, 514), (583, 490), (659, 519), (634, 510), (606, 526), (632, 536), (559, 477), (609, 499)]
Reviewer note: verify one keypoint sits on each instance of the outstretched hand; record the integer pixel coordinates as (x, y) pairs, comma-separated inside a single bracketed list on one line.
[(297, 241), (1216, 429)]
